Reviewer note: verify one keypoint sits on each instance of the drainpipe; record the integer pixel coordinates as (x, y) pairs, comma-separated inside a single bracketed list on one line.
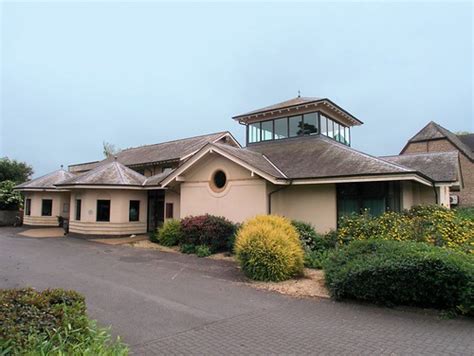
[(271, 193)]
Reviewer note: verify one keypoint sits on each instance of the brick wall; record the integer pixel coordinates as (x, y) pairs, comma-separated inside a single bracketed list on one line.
[(466, 195)]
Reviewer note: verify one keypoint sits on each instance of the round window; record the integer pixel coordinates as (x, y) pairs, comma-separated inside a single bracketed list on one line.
[(219, 180)]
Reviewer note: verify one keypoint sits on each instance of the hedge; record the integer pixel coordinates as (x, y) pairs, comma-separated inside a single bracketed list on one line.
[(52, 322), (402, 273)]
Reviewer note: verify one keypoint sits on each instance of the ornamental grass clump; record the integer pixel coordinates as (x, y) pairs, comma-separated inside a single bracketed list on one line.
[(268, 249)]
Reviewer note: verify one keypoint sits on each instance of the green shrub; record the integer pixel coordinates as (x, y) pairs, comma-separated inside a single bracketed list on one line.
[(187, 248), (212, 231), (315, 259), (170, 234), (153, 236), (402, 273), (431, 224), (268, 249), (466, 213), (311, 240), (52, 322), (203, 251)]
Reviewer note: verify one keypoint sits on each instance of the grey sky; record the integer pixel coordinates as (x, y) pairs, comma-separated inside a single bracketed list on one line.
[(77, 74)]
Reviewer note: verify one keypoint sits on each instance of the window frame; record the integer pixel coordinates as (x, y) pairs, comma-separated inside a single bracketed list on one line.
[(43, 206), (330, 126), (97, 210)]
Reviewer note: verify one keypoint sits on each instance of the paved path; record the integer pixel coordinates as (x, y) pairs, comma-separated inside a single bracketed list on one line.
[(162, 303)]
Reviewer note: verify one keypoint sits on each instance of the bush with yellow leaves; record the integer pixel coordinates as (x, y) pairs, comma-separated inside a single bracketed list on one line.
[(431, 224), (269, 249)]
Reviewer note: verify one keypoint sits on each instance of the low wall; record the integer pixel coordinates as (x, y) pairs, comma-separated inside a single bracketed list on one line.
[(7, 217)]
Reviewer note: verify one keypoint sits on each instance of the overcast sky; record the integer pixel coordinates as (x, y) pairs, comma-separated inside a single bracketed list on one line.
[(77, 74)]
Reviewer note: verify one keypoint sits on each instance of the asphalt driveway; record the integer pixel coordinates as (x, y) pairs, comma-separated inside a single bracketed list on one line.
[(162, 303)]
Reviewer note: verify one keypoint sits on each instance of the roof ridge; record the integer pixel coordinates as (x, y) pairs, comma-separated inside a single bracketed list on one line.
[(118, 167), (175, 140), (422, 154)]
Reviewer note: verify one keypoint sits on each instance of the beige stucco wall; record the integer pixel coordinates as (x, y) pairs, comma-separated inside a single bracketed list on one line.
[(172, 196), (243, 197), (60, 208), (414, 193), (315, 204), (119, 223)]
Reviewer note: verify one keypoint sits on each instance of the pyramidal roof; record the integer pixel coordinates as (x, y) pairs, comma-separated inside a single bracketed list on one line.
[(109, 173), (434, 131), (48, 181)]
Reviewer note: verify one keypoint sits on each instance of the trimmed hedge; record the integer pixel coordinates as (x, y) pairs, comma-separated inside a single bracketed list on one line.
[(213, 231), (170, 234), (402, 273), (268, 249), (52, 322)]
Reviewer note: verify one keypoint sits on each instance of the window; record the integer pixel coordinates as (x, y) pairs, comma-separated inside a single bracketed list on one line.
[(103, 210), (310, 123), (28, 207), (281, 128), (376, 197), (66, 208), (219, 181), (46, 207), (330, 128), (78, 209), (134, 210), (337, 136), (169, 211), (324, 125), (254, 132), (296, 125), (267, 130), (307, 124)]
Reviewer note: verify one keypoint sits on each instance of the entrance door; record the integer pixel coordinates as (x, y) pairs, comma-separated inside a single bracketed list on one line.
[(156, 209)]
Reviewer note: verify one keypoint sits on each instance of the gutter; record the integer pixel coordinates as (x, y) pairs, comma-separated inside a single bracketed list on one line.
[(269, 209)]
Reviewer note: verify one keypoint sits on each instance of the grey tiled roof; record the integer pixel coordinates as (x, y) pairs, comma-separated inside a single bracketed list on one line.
[(252, 158), (284, 104), (468, 140), (320, 157), (110, 173), (433, 131), (160, 152), (47, 181), (157, 178), (439, 166)]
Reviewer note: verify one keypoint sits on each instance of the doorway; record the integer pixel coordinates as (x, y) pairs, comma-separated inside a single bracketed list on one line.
[(156, 209)]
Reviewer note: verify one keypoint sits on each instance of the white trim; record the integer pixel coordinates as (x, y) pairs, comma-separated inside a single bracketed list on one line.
[(278, 169), (227, 134), (40, 190), (208, 149), (366, 178)]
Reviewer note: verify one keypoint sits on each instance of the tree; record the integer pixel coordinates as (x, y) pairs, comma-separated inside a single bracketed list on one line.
[(110, 149), (15, 171), (462, 133), (9, 199)]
